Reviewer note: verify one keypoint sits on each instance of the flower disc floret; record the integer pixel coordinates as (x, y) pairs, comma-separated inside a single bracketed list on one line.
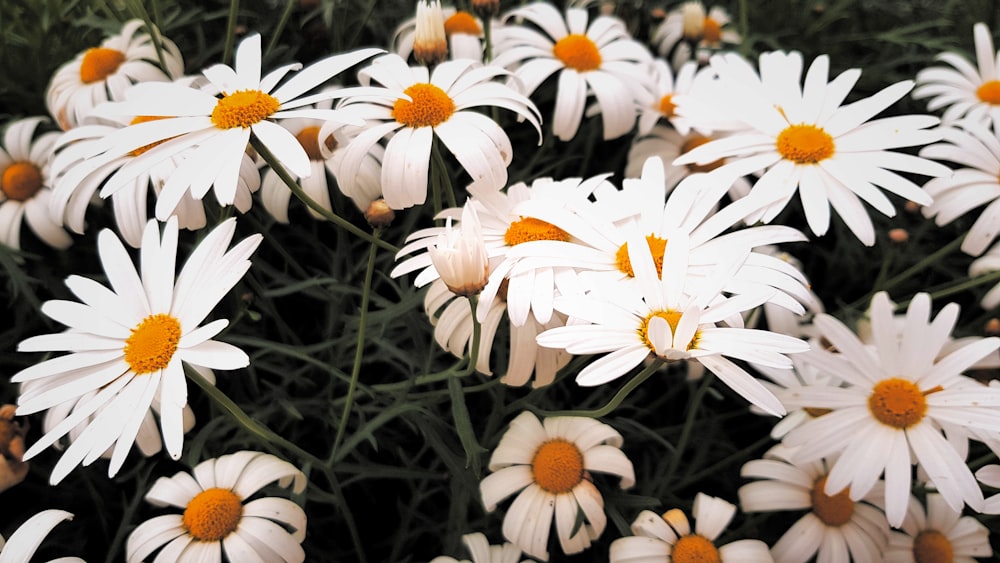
[(989, 92), (213, 514), (462, 22), (152, 343), (308, 137), (695, 549), (557, 466), (712, 31), (528, 229), (805, 144), (243, 108), (578, 52), (897, 402), (931, 546), (431, 106), (99, 63), (833, 510), (667, 105), (657, 246), (21, 181)]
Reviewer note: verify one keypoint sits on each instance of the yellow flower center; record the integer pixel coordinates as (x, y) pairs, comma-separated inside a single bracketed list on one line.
[(99, 63), (21, 181), (989, 92), (144, 119), (557, 466), (243, 108), (152, 343), (833, 510), (577, 52), (430, 106), (805, 144), (461, 22), (898, 403), (657, 246), (528, 229), (213, 514), (667, 105), (672, 318), (695, 549), (712, 32), (308, 137), (931, 546), (694, 142)]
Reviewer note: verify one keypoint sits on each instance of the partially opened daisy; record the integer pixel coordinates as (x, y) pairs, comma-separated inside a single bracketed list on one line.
[(964, 90), (20, 547), (599, 59), (463, 31), (938, 533), (803, 140), (128, 342), (688, 32), (414, 106), (670, 538), (221, 519), (549, 464), (482, 552), (217, 130), (898, 394), (104, 73), (834, 529), (26, 186)]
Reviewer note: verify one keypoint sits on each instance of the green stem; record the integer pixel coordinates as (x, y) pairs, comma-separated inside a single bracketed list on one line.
[(443, 180), (734, 457), (154, 32), (359, 348), (619, 397), (227, 50), (272, 161), (689, 423), (276, 32)]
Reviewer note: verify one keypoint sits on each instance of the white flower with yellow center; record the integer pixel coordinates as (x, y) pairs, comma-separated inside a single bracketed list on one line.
[(964, 90), (128, 342), (275, 195), (220, 521), (216, 129), (549, 464), (482, 552), (660, 102), (835, 529), (670, 538), (415, 106), (104, 73), (939, 535), (26, 186), (600, 59), (20, 547), (805, 141), (899, 394), (463, 31), (688, 30)]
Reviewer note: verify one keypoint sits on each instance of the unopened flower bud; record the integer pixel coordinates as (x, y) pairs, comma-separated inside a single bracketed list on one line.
[(430, 44), (486, 9), (899, 236), (379, 214), (459, 255)]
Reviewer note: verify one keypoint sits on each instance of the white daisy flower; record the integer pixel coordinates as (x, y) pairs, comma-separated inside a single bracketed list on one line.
[(836, 528), (275, 195), (20, 547), (482, 552), (803, 137), (463, 30), (104, 73), (688, 30), (600, 59), (964, 90), (217, 130), (670, 537), (459, 255), (416, 106), (660, 102), (128, 342), (549, 465), (220, 522), (940, 534), (898, 396), (26, 184), (975, 148)]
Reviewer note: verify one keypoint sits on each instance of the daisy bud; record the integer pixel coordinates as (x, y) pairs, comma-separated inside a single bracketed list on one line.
[(992, 327), (486, 9), (379, 214), (459, 255), (912, 207), (899, 236), (430, 45), (693, 14)]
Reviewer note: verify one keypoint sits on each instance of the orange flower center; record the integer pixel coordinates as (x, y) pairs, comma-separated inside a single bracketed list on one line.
[(152, 344), (21, 181), (557, 466), (694, 142), (657, 246), (430, 106), (898, 403), (667, 105), (243, 108), (712, 32), (308, 137), (213, 514), (833, 510), (695, 549), (461, 22), (577, 52), (805, 144), (99, 63), (931, 546), (989, 92), (528, 229), (144, 119)]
